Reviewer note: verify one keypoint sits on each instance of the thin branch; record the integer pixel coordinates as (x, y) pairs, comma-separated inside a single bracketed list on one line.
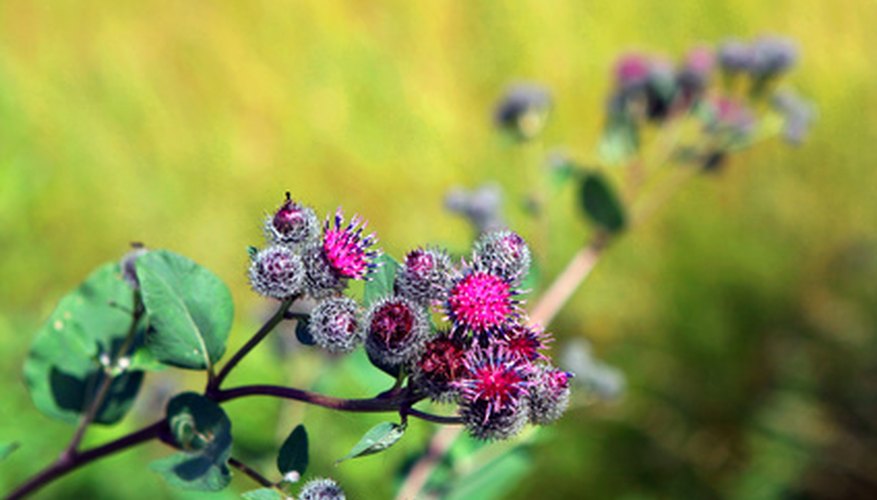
[(66, 463), (250, 472), (260, 335)]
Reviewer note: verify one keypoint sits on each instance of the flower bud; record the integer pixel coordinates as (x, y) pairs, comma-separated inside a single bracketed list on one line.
[(292, 224), (734, 56), (504, 254), (321, 489), (772, 56), (523, 110), (395, 331), (128, 265), (548, 394), (440, 366), (334, 324), (425, 276), (277, 272)]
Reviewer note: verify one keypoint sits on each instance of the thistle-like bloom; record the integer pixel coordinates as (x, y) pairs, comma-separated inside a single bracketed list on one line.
[(632, 70), (480, 302), (440, 366), (504, 254), (694, 75), (523, 110), (292, 224), (334, 324), (772, 56), (523, 342), (734, 56), (548, 394), (731, 117), (277, 272), (346, 249), (493, 393), (425, 276), (395, 331), (321, 489)]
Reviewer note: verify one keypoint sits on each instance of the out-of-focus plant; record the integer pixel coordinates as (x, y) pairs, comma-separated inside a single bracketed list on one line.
[(450, 331), (665, 122)]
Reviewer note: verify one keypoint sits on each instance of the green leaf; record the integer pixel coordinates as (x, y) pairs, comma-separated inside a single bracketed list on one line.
[(381, 281), (189, 310), (600, 203), (64, 366), (7, 449), (620, 139), (263, 494), (203, 431), (376, 440), (293, 455), (496, 479)]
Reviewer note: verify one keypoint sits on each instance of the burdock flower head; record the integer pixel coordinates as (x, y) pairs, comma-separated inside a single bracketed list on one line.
[(523, 342), (523, 110), (277, 272), (632, 70), (334, 324), (440, 366), (425, 276), (321, 489), (548, 395), (292, 224), (772, 56), (395, 331), (343, 253), (504, 254), (493, 393), (480, 302)]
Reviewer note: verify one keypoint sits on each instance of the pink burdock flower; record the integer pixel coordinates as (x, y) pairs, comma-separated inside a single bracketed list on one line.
[(292, 224), (504, 254), (523, 342), (345, 247), (396, 329), (425, 276), (440, 365), (343, 253), (732, 116), (632, 70), (548, 395), (480, 302), (493, 393)]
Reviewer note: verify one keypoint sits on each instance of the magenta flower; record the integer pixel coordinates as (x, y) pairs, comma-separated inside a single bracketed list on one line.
[(292, 224), (396, 329), (425, 276), (440, 365), (523, 342), (492, 393), (480, 302), (346, 249), (632, 70), (549, 394)]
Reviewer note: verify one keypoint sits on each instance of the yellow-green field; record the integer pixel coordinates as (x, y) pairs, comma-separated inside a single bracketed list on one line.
[(743, 314)]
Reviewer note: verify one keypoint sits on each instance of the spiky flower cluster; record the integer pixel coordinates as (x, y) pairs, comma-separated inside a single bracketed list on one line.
[(456, 331), (523, 110), (302, 260), (722, 87)]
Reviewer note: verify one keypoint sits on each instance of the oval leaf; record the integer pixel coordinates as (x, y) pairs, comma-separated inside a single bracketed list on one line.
[(381, 280), (64, 366), (376, 440), (600, 203), (293, 455), (203, 431), (189, 310)]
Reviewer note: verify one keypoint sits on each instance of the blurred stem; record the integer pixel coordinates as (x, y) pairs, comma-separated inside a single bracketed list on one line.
[(107, 381), (215, 382)]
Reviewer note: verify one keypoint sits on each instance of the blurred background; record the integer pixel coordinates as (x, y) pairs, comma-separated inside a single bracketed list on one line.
[(742, 315)]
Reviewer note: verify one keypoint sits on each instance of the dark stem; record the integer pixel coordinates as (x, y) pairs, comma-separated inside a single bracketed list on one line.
[(249, 471), (68, 463), (260, 335)]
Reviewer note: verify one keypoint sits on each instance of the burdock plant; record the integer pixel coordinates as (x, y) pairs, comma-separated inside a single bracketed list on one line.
[(449, 330)]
